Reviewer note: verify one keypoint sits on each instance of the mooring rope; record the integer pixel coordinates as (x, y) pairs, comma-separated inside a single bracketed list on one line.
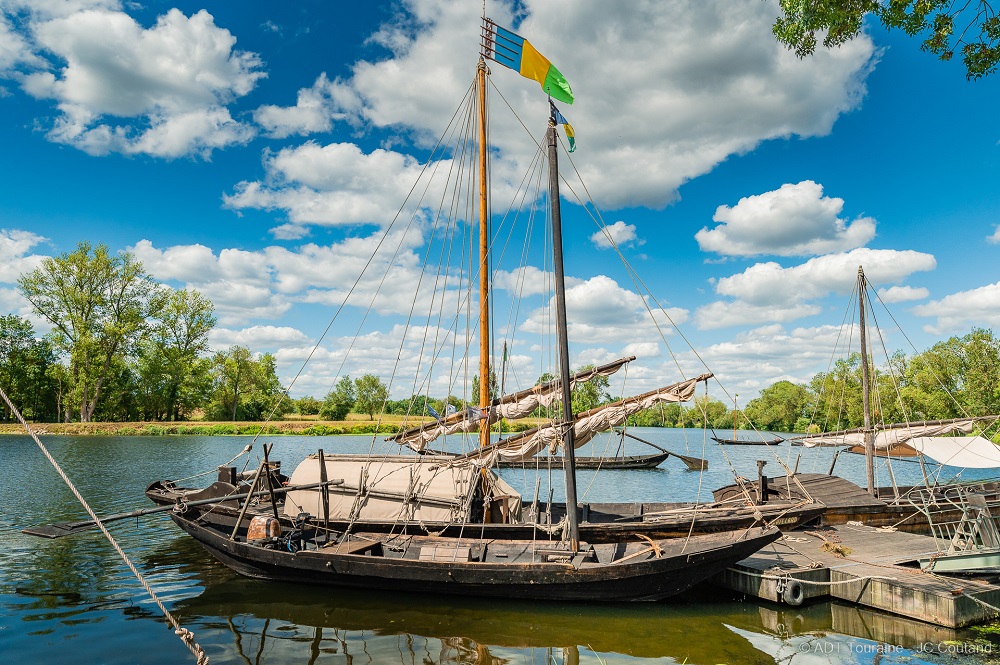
[(186, 636)]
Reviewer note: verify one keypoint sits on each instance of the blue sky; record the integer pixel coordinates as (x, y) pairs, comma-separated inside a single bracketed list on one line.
[(255, 151)]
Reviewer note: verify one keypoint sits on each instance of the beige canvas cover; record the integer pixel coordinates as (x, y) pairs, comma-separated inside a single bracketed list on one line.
[(969, 452), (390, 488)]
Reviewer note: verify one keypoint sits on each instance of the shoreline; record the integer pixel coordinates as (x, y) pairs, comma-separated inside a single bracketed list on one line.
[(244, 428)]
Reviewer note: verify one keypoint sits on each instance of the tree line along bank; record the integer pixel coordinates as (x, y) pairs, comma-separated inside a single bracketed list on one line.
[(125, 348)]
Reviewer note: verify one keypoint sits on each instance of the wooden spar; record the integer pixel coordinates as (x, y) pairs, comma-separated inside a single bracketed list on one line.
[(582, 375), (267, 479), (69, 528), (569, 447), (480, 453), (246, 505), (693, 463), (735, 411), (325, 492), (865, 387), (484, 263)]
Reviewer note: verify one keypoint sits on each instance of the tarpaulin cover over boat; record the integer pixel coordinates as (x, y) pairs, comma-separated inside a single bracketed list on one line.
[(968, 452)]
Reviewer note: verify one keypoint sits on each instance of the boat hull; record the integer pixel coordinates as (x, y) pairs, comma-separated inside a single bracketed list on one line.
[(644, 577), (599, 523), (628, 462)]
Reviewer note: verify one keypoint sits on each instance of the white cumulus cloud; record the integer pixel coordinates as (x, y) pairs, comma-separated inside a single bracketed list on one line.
[(160, 91), (769, 292), (315, 110), (598, 310), (718, 85), (794, 220), (963, 310), (902, 294), (15, 260), (618, 235)]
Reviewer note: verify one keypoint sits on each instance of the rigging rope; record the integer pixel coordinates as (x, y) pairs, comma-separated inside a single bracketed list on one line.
[(186, 636)]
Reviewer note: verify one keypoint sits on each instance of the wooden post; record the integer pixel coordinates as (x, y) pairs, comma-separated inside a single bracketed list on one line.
[(865, 386)]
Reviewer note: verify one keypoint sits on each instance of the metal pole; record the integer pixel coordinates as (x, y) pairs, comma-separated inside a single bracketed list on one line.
[(562, 340)]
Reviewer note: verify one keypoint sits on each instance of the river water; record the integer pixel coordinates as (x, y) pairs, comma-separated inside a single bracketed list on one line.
[(73, 600)]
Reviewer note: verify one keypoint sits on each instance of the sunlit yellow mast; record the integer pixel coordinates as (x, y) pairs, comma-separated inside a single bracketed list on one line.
[(484, 267)]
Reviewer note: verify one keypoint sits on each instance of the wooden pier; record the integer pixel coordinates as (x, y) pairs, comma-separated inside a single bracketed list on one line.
[(874, 567)]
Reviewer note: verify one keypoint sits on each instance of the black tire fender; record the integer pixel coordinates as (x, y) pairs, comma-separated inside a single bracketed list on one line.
[(793, 593)]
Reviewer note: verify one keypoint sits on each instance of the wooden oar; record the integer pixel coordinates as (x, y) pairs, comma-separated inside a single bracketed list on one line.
[(695, 463), (69, 528)]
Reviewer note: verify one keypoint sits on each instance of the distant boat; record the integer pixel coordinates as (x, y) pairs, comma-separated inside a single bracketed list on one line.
[(749, 442)]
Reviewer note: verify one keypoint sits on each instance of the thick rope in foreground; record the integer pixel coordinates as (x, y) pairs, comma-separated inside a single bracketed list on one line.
[(184, 634)]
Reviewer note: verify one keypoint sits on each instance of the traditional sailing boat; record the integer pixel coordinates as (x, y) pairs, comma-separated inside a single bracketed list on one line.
[(456, 488), (736, 441), (894, 505)]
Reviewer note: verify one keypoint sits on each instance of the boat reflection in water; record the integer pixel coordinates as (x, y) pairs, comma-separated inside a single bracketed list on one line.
[(279, 623)]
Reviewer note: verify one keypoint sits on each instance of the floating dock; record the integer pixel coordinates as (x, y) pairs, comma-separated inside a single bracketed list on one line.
[(874, 567)]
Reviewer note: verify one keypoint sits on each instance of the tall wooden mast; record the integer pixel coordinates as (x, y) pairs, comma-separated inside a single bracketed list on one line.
[(866, 385), (569, 448), (484, 264)]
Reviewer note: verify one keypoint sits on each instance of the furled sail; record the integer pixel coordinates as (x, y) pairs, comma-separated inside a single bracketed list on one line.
[(890, 436), (512, 406), (586, 425)]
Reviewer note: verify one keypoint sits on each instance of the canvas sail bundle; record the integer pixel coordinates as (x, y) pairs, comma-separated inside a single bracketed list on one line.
[(586, 425), (513, 406), (895, 435)]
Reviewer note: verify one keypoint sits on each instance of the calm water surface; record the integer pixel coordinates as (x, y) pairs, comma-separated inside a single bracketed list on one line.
[(73, 600)]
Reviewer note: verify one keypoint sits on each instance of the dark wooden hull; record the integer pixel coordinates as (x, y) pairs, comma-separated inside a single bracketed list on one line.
[(748, 442), (629, 462), (599, 522), (507, 569)]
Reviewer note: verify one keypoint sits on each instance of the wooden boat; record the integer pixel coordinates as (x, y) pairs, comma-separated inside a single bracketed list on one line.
[(301, 542), (622, 462), (749, 442)]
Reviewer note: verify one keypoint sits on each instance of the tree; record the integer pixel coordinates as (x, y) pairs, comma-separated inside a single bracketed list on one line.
[(371, 394), (779, 407), (494, 387), (588, 394), (245, 388), (174, 376), (24, 371), (97, 304), (308, 405), (980, 356), (705, 409), (339, 401), (972, 28)]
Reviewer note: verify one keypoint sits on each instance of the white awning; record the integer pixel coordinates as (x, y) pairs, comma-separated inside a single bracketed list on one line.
[(968, 452)]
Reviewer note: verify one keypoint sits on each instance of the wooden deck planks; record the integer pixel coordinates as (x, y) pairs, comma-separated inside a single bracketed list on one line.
[(869, 575)]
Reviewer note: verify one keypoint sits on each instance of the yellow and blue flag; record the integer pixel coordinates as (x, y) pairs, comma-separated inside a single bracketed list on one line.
[(514, 51), (559, 119)]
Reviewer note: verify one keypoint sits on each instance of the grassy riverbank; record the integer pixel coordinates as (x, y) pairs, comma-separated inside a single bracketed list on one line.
[(355, 424)]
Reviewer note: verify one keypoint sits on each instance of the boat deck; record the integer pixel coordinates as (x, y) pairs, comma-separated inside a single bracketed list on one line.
[(869, 566)]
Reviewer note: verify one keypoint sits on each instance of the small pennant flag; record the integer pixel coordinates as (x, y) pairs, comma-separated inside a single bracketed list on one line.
[(514, 51), (559, 119)]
